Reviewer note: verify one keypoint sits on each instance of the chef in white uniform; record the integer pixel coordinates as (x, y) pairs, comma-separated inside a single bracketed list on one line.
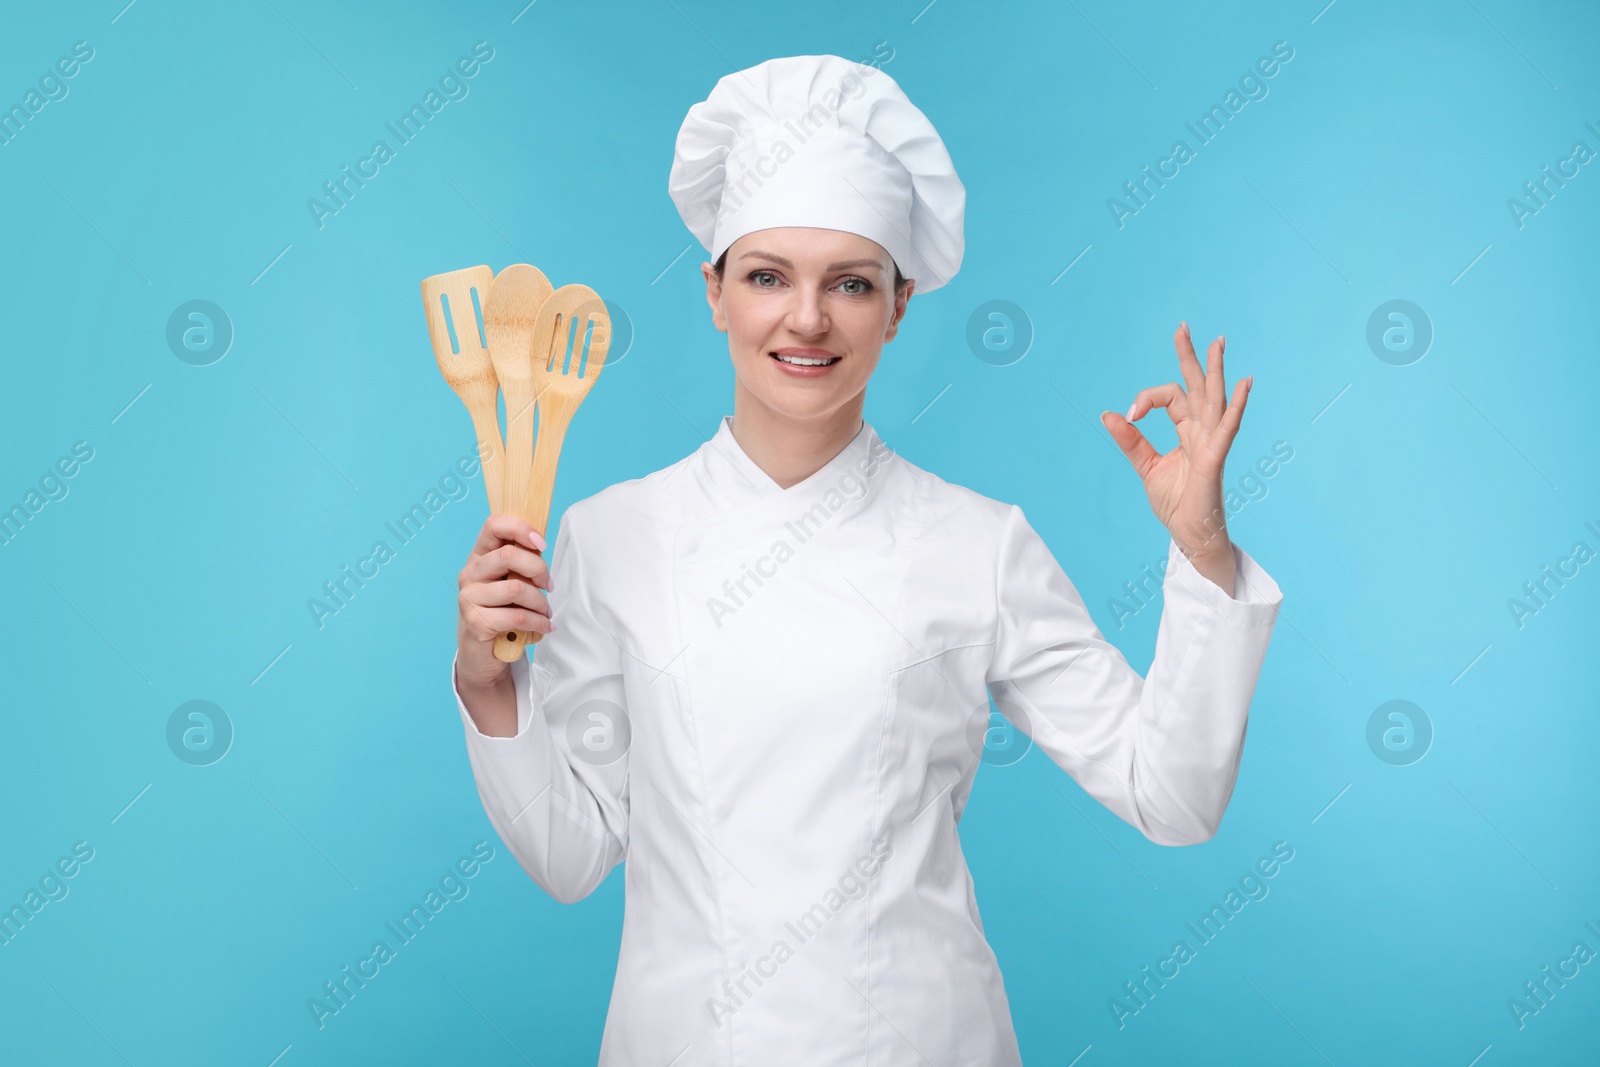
[(768, 694)]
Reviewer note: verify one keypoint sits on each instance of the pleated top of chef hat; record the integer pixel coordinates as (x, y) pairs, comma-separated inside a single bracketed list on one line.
[(820, 141)]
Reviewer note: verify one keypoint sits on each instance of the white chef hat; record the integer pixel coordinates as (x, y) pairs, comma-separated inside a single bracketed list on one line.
[(820, 141)]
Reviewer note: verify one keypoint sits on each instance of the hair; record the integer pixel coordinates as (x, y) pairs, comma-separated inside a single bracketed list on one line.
[(722, 261)]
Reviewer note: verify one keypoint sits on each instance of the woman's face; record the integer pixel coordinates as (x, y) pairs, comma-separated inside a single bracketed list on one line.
[(808, 294)]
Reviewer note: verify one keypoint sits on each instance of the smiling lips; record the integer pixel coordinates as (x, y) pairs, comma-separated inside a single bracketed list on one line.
[(806, 362)]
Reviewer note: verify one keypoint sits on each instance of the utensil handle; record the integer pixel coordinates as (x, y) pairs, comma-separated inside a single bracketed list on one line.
[(553, 425), (491, 449), (509, 645)]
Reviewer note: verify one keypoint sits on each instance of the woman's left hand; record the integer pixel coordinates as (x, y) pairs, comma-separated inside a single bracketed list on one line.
[(1185, 485)]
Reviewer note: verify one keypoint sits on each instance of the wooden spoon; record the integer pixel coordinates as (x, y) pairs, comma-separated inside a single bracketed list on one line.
[(561, 378), (466, 366), (508, 320)]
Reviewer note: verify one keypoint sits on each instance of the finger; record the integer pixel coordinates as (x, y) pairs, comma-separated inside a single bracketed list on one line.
[(1216, 391), (507, 560), (1189, 365), (507, 593), (504, 528), (1228, 425), (1169, 396), (481, 619), (1140, 452), (485, 623)]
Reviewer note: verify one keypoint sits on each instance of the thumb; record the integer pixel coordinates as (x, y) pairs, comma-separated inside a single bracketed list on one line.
[(1134, 445)]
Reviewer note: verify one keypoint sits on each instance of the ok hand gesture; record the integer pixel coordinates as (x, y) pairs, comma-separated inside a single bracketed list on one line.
[(1185, 485)]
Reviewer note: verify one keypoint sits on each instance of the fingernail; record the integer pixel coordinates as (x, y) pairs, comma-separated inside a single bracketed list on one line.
[(1221, 340), (1129, 415), (536, 540), (1184, 326)]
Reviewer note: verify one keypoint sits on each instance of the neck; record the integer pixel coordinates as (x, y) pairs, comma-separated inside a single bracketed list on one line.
[(790, 449)]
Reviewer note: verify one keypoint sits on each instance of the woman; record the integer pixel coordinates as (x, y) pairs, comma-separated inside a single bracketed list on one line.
[(767, 678)]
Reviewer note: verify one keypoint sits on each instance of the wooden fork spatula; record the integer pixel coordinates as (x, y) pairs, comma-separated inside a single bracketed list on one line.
[(465, 364), (570, 338)]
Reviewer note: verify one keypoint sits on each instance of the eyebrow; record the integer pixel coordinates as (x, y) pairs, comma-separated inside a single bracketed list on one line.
[(841, 265)]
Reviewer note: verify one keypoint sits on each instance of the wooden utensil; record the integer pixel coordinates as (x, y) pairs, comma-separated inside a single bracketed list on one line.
[(508, 320), (561, 375), (448, 300)]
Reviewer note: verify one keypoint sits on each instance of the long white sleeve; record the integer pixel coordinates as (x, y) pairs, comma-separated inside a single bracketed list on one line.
[(1162, 752), (557, 792)]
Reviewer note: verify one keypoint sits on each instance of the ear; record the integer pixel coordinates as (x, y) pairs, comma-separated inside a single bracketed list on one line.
[(714, 297), (902, 300)]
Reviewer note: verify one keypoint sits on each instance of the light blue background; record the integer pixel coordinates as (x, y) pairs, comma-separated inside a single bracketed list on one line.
[(1418, 500)]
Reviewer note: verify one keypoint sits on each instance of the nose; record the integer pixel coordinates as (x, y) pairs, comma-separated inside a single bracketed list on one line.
[(807, 316)]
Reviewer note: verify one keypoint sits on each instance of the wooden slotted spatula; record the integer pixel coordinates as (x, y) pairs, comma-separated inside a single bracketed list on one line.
[(448, 301), (562, 374)]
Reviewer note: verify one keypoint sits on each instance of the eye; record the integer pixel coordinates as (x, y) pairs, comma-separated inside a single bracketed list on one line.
[(763, 279), (863, 285)]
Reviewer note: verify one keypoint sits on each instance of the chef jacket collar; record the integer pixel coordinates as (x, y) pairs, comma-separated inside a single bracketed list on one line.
[(851, 473), (743, 508)]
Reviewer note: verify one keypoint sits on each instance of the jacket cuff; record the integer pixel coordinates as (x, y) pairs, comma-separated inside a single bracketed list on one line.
[(1256, 596), (520, 684)]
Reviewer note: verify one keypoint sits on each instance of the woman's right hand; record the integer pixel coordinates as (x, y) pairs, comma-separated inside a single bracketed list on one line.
[(503, 587)]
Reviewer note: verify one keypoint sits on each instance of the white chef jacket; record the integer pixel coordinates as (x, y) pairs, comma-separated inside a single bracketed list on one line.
[(772, 704)]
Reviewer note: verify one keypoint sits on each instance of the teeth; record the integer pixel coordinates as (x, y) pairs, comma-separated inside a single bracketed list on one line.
[(801, 361)]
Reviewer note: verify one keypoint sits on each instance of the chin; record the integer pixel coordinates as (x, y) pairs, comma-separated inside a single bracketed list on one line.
[(797, 398), (800, 405)]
